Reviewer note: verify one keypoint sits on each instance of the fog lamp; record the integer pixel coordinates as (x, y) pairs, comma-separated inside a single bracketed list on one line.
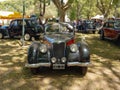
[(53, 59), (63, 59)]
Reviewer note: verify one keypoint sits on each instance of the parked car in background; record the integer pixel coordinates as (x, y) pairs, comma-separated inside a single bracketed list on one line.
[(32, 30), (87, 26), (111, 30), (58, 50), (3, 31)]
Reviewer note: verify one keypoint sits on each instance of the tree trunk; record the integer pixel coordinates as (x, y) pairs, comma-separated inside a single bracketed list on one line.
[(62, 7), (62, 15)]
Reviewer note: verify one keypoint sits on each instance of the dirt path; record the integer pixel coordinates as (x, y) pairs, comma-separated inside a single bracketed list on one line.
[(103, 75)]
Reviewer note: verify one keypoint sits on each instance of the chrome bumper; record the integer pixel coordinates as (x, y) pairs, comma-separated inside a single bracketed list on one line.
[(69, 64), (81, 64), (37, 65)]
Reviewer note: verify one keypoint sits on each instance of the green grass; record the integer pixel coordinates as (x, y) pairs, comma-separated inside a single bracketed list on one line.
[(105, 56)]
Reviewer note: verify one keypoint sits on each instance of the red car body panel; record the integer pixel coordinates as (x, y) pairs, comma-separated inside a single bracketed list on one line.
[(111, 32)]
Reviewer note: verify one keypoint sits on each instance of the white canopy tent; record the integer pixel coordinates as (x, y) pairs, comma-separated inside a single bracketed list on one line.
[(101, 17)]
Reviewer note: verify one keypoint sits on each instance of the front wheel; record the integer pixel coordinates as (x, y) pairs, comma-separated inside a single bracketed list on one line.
[(34, 70), (83, 70), (93, 32), (101, 35), (1, 35), (27, 37)]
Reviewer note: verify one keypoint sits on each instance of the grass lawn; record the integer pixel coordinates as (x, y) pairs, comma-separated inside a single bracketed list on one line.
[(103, 75)]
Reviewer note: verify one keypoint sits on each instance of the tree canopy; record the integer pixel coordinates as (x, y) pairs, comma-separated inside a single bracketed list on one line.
[(75, 9)]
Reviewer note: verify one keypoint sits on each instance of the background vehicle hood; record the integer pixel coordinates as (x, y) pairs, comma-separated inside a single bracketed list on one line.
[(52, 38)]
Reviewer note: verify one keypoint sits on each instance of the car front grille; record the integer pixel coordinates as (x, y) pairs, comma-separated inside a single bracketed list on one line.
[(59, 49)]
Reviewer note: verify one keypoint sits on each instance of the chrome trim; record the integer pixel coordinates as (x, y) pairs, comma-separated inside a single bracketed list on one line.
[(37, 65), (85, 64), (82, 64)]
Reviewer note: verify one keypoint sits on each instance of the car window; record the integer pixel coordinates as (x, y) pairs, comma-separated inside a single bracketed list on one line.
[(111, 25), (20, 23), (58, 28), (105, 25), (52, 28), (29, 23), (117, 24), (13, 24)]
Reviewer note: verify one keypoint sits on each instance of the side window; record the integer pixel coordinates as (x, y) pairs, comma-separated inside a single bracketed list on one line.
[(15, 23), (11, 24), (117, 24), (111, 25), (19, 23), (105, 25)]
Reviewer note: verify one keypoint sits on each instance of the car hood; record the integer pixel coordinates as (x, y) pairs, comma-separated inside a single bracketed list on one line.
[(58, 38)]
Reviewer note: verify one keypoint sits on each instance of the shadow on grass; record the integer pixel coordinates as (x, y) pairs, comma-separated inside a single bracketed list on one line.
[(13, 74), (105, 55), (104, 48)]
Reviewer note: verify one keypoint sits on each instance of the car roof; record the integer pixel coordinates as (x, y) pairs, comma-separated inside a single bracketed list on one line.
[(111, 21), (22, 19)]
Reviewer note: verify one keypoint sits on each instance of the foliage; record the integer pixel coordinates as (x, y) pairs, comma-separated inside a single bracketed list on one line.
[(82, 9), (16, 5), (62, 7), (104, 6), (75, 9)]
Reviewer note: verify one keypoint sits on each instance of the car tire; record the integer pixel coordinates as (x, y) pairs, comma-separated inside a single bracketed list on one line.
[(10, 36), (1, 35), (93, 32), (83, 70), (27, 37), (101, 35), (34, 70), (33, 38)]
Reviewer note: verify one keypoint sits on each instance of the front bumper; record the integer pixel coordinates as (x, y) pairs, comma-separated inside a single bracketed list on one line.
[(69, 64)]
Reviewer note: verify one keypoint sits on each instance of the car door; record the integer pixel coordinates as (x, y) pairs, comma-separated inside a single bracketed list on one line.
[(111, 30), (14, 28), (20, 25), (105, 29), (114, 32)]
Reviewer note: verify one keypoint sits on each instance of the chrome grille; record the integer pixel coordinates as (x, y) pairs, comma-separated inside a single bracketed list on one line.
[(59, 50)]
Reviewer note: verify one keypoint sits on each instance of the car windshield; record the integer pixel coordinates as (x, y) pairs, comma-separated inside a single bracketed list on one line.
[(59, 28)]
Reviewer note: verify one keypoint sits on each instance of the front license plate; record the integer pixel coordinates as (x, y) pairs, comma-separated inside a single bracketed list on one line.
[(58, 66)]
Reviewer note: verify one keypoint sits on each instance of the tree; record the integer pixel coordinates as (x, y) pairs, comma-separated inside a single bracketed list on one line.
[(116, 4), (83, 9), (62, 7), (16, 5), (41, 6), (105, 6)]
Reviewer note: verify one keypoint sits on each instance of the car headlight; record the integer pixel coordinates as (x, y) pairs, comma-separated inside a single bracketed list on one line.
[(43, 48), (73, 47)]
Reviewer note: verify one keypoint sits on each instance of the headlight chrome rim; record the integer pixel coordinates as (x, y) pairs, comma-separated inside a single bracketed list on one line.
[(43, 48), (73, 48)]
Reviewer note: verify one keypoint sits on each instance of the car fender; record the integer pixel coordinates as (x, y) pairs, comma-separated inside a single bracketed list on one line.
[(33, 52), (3, 32), (83, 51)]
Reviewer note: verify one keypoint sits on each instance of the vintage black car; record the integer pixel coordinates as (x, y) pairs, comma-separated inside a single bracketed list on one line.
[(58, 50), (15, 29)]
